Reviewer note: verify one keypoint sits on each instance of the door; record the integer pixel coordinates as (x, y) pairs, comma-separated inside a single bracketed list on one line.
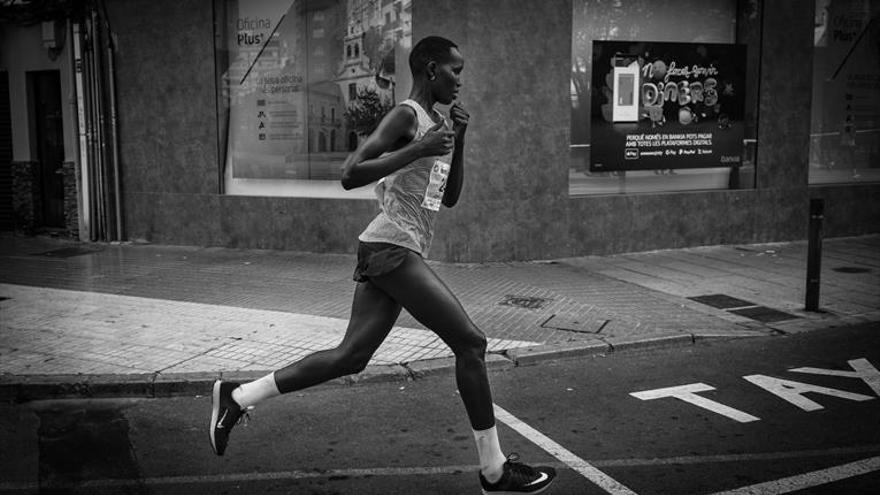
[(48, 129)]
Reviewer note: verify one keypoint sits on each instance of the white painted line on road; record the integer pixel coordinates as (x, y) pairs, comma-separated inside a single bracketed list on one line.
[(688, 393), (809, 480), (793, 392), (863, 369), (583, 467), (738, 458), (18, 486)]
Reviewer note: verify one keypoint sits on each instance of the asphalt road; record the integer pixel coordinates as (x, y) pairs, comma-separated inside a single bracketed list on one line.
[(703, 419)]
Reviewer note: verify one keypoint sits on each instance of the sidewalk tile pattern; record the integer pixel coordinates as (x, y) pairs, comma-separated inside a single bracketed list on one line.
[(105, 308), (94, 333)]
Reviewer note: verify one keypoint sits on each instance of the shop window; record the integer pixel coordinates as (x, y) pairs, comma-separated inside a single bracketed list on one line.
[(278, 61), (845, 114), (658, 98)]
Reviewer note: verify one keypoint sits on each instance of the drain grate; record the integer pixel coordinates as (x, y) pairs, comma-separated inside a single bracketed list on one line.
[(763, 314), (527, 302), (744, 308), (722, 301), (851, 269)]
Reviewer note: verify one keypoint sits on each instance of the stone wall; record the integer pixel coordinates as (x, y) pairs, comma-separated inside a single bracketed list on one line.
[(26, 196), (27, 201), (71, 199)]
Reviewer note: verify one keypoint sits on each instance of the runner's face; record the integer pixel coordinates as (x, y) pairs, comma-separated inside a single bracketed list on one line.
[(448, 78)]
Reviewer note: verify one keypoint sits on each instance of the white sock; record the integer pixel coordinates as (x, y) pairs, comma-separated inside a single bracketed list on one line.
[(491, 457), (250, 393)]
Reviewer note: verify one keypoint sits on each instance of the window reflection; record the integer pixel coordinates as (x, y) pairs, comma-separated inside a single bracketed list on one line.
[(694, 21), (845, 117), (302, 81)]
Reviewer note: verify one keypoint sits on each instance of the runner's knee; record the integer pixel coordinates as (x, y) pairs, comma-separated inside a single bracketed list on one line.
[(472, 345), (350, 362)]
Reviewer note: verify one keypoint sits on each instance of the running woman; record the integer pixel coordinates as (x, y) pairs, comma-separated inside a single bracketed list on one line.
[(418, 159)]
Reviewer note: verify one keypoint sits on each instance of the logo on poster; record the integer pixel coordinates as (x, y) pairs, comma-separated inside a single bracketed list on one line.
[(247, 26)]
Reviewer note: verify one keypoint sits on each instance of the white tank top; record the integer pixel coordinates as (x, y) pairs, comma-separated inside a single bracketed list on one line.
[(410, 197)]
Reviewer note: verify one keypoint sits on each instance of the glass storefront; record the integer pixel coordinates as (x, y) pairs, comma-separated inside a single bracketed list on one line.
[(300, 83), (657, 98), (845, 115)]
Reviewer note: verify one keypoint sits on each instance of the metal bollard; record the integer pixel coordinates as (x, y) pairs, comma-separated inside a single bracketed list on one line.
[(814, 253)]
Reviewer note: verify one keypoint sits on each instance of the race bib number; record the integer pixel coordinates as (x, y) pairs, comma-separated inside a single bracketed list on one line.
[(436, 186)]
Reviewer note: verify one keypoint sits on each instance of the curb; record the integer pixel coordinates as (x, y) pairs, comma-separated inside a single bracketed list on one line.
[(661, 341), (23, 388)]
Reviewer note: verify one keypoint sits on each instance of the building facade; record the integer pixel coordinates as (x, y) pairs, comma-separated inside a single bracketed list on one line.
[(187, 161)]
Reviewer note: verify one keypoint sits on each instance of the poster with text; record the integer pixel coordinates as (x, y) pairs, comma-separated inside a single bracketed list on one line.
[(306, 79), (658, 105)]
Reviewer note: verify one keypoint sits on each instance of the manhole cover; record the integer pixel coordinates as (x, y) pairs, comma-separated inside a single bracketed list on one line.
[(763, 314), (524, 302), (851, 269), (721, 301)]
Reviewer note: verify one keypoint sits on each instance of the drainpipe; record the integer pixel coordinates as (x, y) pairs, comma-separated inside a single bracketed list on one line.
[(114, 136), (100, 140), (97, 134), (94, 169), (114, 126), (83, 144)]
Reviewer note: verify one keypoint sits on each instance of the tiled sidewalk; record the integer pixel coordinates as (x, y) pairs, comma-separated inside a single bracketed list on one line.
[(93, 333), (771, 276), (77, 309)]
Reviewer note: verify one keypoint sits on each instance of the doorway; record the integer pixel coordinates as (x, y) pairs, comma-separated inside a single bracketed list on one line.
[(48, 132)]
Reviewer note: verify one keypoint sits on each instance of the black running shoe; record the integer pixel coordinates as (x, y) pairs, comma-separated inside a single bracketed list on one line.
[(225, 413), (519, 478)]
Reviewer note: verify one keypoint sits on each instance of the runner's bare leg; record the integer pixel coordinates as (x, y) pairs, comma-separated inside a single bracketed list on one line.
[(373, 314)]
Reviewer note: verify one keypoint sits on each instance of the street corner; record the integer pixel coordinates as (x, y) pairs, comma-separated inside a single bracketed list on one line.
[(525, 356)]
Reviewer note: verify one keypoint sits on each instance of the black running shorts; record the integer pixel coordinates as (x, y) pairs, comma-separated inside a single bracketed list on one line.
[(378, 258)]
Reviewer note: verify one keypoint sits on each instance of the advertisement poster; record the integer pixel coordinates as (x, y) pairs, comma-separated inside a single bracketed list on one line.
[(306, 80), (845, 112), (659, 106)]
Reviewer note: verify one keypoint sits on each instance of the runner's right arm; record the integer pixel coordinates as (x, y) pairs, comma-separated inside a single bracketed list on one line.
[(391, 147)]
